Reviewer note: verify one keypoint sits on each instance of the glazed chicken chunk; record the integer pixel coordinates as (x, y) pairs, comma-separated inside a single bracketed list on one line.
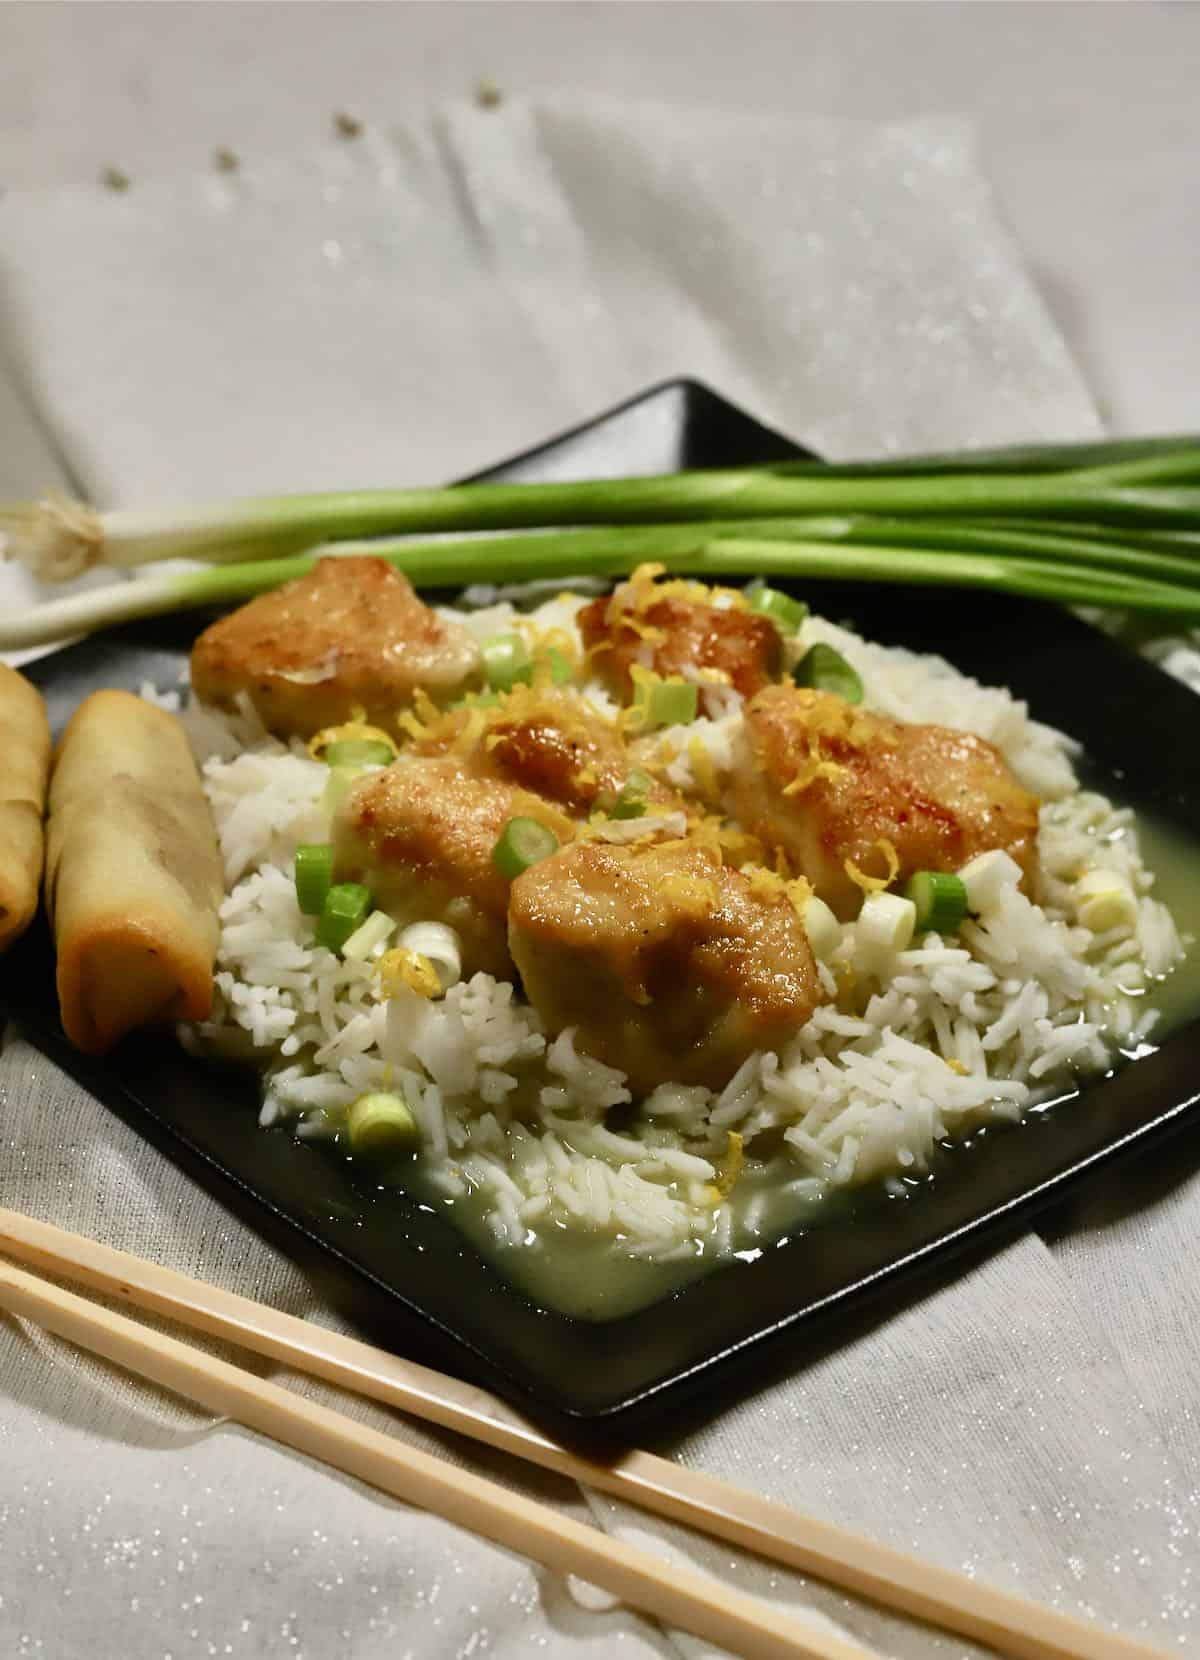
[(553, 742), (349, 636), (677, 633), (420, 835), (668, 964), (826, 782)]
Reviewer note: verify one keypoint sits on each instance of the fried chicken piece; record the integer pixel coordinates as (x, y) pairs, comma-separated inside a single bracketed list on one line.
[(553, 742), (668, 964), (350, 635), (420, 835), (679, 634), (827, 782)]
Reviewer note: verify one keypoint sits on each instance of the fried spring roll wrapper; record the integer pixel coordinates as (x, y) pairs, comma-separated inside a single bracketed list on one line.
[(133, 875), (24, 769)]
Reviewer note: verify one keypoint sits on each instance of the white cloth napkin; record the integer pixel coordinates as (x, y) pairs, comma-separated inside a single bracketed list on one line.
[(411, 307)]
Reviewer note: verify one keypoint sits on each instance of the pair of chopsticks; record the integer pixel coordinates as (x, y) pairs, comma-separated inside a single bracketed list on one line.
[(672, 1593)]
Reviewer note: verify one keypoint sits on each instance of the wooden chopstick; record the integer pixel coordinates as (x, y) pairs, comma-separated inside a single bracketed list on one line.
[(672, 1592), (1010, 1624)]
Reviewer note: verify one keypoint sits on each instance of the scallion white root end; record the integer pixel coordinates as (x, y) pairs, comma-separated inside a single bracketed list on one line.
[(56, 538)]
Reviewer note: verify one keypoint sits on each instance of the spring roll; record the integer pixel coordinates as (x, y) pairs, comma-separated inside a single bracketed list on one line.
[(133, 875), (24, 768)]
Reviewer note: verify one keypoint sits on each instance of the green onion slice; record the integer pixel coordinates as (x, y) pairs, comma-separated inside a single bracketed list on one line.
[(785, 612), (313, 873), (477, 700), (941, 901), (338, 785), (344, 911), (826, 670), (560, 666), (381, 1123), (522, 842), (664, 703), (634, 797), (506, 661), (358, 752)]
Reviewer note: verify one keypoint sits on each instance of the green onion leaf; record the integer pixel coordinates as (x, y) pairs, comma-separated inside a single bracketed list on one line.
[(826, 670), (359, 752), (506, 662), (313, 874), (785, 612), (522, 842), (941, 901), (634, 797), (381, 1123), (344, 911)]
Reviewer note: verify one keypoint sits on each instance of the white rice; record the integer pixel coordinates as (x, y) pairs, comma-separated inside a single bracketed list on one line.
[(939, 1039)]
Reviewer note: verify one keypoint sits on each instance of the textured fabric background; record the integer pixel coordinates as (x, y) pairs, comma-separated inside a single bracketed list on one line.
[(409, 308)]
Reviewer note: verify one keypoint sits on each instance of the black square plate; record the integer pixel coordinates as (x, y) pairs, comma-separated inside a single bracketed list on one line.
[(411, 1280)]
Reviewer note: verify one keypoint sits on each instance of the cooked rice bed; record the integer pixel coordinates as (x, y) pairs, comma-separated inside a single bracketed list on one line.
[(533, 1137)]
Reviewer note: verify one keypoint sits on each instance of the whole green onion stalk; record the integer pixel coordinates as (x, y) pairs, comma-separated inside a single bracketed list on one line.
[(987, 558), (1113, 524), (1141, 483)]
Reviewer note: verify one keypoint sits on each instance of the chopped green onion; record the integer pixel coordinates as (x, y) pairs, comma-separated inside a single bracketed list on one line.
[(561, 670), (826, 670), (344, 911), (374, 931), (438, 943), (523, 842), (887, 921), (381, 1123), (634, 797), (506, 661), (477, 700), (359, 752), (987, 877), (785, 612), (340, 782), (1103, 900), (313, 875), (941, 901), (823, 929), (663, 702)]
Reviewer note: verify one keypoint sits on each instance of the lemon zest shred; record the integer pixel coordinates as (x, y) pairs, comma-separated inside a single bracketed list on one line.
[(813, 767), (957, 1066), (473, 728), (875, 884), (420, 720), (729, 1169), (799, 892), (401, 969)]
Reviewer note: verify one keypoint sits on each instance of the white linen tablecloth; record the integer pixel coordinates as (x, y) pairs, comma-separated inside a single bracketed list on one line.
[(409, 307)]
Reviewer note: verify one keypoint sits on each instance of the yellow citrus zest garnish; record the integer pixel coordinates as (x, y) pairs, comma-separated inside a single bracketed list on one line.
[(728, 1171), (875, 884), (403, 970)]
